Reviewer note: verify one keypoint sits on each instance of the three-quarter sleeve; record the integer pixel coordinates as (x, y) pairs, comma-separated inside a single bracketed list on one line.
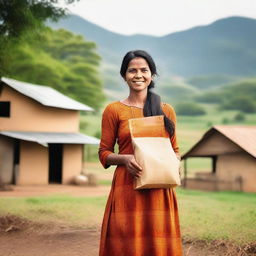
[(109, 129), (170, 113)]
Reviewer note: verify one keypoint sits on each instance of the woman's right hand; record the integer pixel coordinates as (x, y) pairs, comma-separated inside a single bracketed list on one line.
[(132, 166)]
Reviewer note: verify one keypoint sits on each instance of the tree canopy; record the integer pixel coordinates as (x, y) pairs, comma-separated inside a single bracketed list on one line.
[(19, 16), (32, 52), (63, 61)]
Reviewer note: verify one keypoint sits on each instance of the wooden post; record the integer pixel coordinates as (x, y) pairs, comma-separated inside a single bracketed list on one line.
[(185, 173)]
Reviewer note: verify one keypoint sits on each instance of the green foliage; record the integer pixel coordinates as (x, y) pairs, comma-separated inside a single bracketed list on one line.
[(189, 109), (239, 117), (209, 81), (21, 20), (238, 96), (242, 103), (63, 61), (20, 16), (210, 97), (171, 90), (225, 120)]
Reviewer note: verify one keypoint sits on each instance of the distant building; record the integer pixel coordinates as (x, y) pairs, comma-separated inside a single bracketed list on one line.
[(40, 141), (233, 153)]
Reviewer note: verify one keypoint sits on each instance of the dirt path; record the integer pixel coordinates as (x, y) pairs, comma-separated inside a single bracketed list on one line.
[(43, 190), (65, 243)]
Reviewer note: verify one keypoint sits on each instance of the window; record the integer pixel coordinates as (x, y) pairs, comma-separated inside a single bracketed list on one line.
[(4, 109)]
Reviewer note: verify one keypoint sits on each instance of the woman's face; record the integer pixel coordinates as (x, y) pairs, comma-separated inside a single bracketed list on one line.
[(138, 75)]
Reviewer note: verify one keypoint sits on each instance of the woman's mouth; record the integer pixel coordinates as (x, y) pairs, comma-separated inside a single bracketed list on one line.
[(138, 82)]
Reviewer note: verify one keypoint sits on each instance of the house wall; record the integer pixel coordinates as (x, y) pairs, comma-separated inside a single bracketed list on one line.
[(6, 159), (72, 162), (232, 166), (28, 115), (34, 164), (214, 145)]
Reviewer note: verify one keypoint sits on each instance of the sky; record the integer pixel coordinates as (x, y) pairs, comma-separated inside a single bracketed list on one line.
[(159, 17)]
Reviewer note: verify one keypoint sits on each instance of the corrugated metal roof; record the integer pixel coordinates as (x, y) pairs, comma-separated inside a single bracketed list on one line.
[(45, 95), (243, 136), (45, 138)]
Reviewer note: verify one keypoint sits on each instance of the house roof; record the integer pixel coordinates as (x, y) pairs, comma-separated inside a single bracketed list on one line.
[(45, 95), (45, 138), (242, 136)]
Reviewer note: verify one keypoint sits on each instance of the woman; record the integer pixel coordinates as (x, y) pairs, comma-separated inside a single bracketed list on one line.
[(136, 222)]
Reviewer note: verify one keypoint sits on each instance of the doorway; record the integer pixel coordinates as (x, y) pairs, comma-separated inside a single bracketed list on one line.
[(55, 163)]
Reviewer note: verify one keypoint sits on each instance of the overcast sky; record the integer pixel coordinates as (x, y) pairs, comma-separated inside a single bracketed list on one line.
[(159, 17)]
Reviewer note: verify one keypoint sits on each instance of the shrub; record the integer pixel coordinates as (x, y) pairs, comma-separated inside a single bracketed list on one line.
[(225, 120), (210, 97), (240, 102), (189, 109), (239, 117)]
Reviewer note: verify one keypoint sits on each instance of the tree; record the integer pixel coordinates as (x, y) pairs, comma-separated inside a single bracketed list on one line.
[(189, 109), (18, 16), (23, 17), (239, 117), (62, 60), (243, 103)]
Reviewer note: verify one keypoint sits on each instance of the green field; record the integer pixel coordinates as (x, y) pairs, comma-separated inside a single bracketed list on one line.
[(203, 215)]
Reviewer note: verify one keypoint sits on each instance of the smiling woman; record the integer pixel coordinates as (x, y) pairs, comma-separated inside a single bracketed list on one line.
[(137, 222)]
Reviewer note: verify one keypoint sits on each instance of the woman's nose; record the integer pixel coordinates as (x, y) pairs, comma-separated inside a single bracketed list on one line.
[(138, 74)]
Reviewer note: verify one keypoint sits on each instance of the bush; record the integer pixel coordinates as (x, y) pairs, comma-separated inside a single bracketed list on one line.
[(240, 102), (225, 120), (189, 109), (210, 97), (239, 117)]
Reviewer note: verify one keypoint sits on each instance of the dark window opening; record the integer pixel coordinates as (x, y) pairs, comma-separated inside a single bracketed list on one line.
[(55, 163), (4, 109)]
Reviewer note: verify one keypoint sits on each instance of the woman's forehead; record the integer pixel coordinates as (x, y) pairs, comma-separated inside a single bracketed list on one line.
[(138, 62)]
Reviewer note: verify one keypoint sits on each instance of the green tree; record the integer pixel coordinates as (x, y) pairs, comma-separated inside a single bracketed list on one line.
[(62, 60), (189, 109), (243, 103), (239, 117), (19, 18)]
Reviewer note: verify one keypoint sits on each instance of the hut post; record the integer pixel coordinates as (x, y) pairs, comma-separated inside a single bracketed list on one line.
[(185, 173)]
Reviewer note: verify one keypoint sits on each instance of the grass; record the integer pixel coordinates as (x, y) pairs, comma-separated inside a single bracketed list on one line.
[(67, 210), (218, 215), (203, 215)]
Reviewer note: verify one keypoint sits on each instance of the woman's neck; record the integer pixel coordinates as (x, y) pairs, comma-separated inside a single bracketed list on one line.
[(137, 99)]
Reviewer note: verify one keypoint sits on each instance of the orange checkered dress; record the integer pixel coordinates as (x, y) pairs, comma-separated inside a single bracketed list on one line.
[(136, 222)]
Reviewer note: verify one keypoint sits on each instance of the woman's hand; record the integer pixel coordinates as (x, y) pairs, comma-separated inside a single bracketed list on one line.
[(132, 166)]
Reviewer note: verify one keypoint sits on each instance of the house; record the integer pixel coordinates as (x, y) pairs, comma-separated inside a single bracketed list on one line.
[(233, 153), (40, 141)]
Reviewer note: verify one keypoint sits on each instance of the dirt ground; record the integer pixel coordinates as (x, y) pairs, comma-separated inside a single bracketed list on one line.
[(21, 238)]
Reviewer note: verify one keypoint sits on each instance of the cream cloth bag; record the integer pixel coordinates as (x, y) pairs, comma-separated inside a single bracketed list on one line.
[(154, 153)]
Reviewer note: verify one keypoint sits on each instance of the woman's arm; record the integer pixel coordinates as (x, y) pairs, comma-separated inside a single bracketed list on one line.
[(127, 160), (110, 122)]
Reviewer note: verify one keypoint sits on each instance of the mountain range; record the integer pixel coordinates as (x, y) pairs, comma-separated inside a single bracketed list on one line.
[(227, 46)]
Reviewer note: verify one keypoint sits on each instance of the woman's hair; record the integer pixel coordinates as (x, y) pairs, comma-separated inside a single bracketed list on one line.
[(152, 105)]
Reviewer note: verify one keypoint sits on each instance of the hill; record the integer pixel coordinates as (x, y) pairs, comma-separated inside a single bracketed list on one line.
[(227, 46)]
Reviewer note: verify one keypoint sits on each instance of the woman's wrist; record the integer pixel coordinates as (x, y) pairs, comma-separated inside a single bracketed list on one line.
[(117, 159)]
